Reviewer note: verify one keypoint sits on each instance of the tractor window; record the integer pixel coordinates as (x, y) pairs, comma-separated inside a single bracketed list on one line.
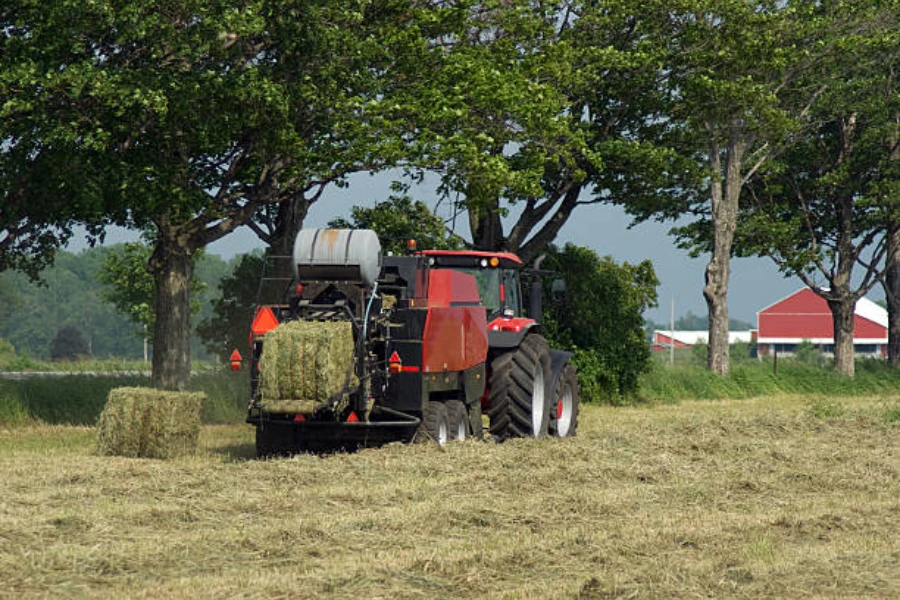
[(488, 286), (513, 292)]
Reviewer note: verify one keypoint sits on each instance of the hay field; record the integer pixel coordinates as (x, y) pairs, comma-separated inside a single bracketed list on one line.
[(759, 498)]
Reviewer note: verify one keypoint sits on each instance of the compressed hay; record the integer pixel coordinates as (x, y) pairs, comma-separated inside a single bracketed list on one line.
[(306, 363), (149, 423)]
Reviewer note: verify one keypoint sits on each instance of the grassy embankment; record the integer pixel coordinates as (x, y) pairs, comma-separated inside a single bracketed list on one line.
[(751, 378), (79, 399), (787, 497)]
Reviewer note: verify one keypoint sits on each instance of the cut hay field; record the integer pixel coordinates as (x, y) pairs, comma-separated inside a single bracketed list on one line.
[(763, 498)]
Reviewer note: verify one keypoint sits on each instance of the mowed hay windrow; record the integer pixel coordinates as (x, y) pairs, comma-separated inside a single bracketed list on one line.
[(149, 423), (305, 362)]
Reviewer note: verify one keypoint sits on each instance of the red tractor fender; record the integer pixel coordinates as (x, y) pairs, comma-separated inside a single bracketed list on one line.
[(508, 332)]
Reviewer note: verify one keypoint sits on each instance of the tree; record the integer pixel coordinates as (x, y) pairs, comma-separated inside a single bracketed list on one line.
[(69, 292), (734, 72), (132, 290), (821, 209), (600, 318), (185, 119), (68, 344), (399, 219), (228, 326), (129, 287), (491, 120)]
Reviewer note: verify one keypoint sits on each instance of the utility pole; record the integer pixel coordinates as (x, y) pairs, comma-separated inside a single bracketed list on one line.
[(672, 333)]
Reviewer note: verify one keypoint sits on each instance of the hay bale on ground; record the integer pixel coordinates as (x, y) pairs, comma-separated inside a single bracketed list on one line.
[(149, 423), (306, 361)]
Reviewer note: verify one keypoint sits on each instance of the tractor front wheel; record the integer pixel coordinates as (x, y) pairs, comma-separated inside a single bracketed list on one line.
[(520, 390)]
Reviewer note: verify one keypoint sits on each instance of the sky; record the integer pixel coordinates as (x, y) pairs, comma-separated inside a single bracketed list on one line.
[(755, 282)]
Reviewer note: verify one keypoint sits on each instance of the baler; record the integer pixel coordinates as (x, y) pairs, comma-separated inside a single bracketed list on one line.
[(439, 339)]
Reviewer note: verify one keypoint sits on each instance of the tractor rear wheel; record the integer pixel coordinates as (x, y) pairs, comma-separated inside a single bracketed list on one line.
[(564, 415), (436, 422), (520, 390), (459, 420)]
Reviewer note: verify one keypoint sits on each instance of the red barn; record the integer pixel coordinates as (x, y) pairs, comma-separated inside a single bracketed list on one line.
[(804, 316)]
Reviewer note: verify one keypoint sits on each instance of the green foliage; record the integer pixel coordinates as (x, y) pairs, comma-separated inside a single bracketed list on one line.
[(699, 353), (68, 344), (71, 294), (227, 327), (808, 353), (398, 219), (130, 287), (184, 119), (7, 350), (600, 318), (68, 295), (742, 352), (890, 412)]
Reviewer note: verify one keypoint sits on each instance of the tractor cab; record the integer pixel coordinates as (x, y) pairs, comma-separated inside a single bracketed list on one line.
[(498, 275)]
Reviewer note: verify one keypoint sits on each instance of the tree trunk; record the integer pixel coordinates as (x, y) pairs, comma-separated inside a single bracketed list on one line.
[(171, 267), (842, 310), (725, 189), (291, 214), (487, 231), (892, 293)]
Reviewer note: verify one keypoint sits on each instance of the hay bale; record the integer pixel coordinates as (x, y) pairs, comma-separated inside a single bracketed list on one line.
[(306, 361), (149, 423)]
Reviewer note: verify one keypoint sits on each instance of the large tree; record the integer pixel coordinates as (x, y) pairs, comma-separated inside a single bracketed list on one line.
[(184, 119), (733, 65), (825, 209), (492, 121)]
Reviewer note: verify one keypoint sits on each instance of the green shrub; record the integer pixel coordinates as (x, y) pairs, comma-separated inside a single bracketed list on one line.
[(809, 354), (700, 354), (227, 395)]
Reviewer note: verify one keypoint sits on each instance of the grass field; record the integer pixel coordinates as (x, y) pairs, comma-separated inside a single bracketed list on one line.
[(785, 497)]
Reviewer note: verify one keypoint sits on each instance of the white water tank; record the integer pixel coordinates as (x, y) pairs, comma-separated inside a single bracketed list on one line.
[(337, 255)]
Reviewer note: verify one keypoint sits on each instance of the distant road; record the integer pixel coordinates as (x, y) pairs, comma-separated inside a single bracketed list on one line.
[(19, 375)]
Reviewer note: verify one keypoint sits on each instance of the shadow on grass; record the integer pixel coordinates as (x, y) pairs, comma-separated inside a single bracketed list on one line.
[(237, 452)]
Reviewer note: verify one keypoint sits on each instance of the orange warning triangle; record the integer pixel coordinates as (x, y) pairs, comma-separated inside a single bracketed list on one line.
[(236, 356), (353, 418), (264, 321), (395, 358)]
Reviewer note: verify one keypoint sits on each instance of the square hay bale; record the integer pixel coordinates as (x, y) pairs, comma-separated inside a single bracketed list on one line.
[(149, 423), (306, 361)]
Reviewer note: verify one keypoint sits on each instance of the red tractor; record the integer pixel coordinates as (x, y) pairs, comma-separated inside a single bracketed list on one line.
[(440, 338)]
